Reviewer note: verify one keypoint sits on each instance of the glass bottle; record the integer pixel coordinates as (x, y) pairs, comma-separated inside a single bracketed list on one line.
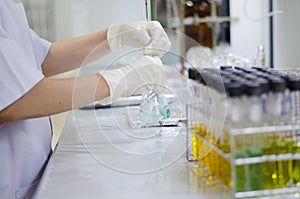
[(261, 56)]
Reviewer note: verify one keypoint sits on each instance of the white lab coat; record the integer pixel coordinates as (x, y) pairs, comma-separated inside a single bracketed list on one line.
[(24, 145)]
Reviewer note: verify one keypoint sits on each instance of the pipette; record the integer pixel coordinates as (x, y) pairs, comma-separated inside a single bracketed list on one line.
[(153, 109), (153, 10), (146, 6)]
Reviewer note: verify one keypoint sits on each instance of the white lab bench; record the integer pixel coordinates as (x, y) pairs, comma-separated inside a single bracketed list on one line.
[(100, 156)]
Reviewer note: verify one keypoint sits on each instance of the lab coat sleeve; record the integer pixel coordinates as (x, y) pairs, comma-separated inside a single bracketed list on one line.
[(18, 72), (40, 47)]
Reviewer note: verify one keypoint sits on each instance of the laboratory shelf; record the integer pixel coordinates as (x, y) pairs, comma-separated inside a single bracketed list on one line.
[(267, 158), (291, 192)]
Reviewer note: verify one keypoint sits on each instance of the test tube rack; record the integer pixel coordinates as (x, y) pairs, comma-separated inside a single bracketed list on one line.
[(260, 161)]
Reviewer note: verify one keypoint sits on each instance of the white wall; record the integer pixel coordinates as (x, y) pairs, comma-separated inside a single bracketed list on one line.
[(286, 34), (62, 19), (105, 12), (247, 34), (79, 17)]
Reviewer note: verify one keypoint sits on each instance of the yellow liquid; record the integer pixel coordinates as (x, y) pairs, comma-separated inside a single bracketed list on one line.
[(296, 171), (280, 174), (282, 166), (270, 170), (266, 175), (194, 146), (195, 140), (225, 145), (296, 166), (213, 162)]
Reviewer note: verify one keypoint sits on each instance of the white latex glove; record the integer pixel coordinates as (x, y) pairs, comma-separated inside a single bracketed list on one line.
[(145, 74), (149, 35)]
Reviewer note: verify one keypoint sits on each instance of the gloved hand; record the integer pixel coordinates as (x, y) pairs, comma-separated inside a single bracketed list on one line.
[(145, 74), (149, 35)]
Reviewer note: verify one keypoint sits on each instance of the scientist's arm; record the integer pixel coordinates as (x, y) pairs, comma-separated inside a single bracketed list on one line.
[(51, 96), (69, 54)]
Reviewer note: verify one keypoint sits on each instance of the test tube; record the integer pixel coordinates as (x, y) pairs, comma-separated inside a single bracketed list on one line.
[(275, 100), (293, 99), (193, 84), (254, 142), (276, 110), (255, 97), (193, 116)]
